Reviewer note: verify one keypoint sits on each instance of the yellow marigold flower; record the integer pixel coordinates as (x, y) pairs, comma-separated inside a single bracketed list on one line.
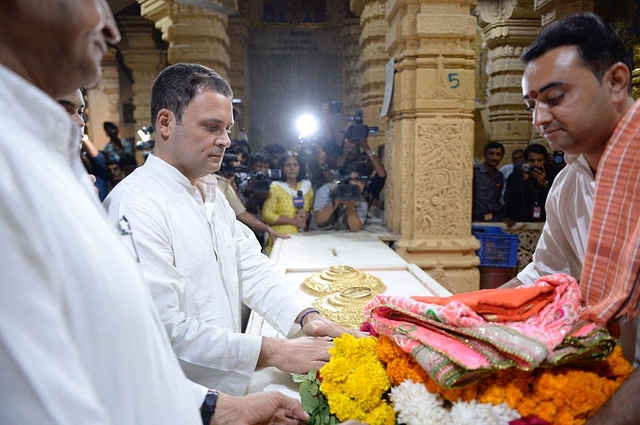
[(354, 381)]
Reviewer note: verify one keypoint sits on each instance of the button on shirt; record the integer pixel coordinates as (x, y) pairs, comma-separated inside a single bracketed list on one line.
[(80, 341), (201, 265)]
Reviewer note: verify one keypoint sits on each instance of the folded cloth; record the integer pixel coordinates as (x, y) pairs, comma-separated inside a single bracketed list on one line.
[(501, 304), (455, 345)]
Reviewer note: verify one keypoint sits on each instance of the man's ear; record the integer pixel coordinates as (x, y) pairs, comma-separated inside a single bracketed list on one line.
[(619, 77), (165, 123)]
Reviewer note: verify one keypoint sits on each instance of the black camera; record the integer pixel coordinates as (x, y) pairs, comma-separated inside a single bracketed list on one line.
[(261, 182), (346, 191), (357, 130), (528, 168), (228, 169)]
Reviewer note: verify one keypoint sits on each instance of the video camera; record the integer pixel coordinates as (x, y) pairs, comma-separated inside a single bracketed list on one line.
[(346, 191), (228, 169), (261, 182), (357, 130)]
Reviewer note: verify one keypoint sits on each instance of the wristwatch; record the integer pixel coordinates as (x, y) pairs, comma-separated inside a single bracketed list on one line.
[(371, 153), (208, 407)]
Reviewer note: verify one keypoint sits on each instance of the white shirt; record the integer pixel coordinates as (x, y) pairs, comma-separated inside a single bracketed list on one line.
[(563, 242), (201, 264), (80, 342)]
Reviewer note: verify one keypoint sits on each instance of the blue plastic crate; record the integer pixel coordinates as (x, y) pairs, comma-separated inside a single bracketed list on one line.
[(497, 248)]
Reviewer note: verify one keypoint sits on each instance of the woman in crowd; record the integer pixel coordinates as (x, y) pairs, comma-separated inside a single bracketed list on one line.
[(288, 205)]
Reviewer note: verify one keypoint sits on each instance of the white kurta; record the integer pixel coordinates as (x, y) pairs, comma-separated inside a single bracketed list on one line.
[(201, 264), (80, 342), (563, 242)]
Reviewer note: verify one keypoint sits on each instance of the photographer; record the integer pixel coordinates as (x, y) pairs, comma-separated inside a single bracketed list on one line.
[(314, 157), (527, 188), (259, 169), (356, 144), (341, 206)]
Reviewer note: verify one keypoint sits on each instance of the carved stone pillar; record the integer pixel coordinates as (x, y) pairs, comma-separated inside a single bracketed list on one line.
[(508, 26), (430, 140), (349, 33), (145, 60), (238, 30), (373, 58), (194, 34), (552, 10)]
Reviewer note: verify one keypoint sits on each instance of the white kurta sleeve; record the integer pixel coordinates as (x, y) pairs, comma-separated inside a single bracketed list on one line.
[(209, 355)]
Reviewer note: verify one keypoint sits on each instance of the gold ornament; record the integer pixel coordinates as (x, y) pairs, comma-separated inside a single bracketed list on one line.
[(338, 278), (345, 307)]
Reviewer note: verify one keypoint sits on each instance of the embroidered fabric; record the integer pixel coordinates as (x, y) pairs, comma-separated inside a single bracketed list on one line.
[(455, 345)]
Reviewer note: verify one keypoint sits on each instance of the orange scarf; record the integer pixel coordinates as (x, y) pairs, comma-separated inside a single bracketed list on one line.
[(501, 304), (609, 280)]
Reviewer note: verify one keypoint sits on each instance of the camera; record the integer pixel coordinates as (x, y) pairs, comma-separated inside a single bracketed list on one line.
[(345, 191), (261, 182), (528, 168), (357, 130), (228, 169)]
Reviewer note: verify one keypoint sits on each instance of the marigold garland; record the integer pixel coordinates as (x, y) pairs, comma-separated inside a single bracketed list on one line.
[(561, 395), (355, 382)]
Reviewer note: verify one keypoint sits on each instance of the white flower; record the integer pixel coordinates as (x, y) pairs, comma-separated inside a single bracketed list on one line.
[(414, 405), (474, 413)]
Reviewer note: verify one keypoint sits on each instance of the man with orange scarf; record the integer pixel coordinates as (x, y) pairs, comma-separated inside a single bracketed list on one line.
[(577, 84)]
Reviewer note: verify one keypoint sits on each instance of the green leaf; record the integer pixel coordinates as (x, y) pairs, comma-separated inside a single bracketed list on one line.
[(297, 377), (314, 389)]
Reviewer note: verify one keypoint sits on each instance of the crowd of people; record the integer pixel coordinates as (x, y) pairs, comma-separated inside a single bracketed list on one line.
[(135, 317), (517, 192), (316, 186)]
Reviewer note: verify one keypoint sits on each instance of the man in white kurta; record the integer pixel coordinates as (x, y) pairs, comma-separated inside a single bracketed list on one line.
[(563, 242), (201, 265), (80, 341)]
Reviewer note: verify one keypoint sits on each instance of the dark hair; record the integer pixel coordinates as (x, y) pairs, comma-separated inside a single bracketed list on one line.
[(234, 149), (275, 149), (108, 124), (536, 148), (244, 144), (515, 151), (177, 85), (282, 160), (493, 145), (597, 43), (259, 156), (356, 167)]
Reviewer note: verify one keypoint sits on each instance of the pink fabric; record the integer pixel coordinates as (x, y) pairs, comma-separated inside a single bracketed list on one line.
[(455, 345)]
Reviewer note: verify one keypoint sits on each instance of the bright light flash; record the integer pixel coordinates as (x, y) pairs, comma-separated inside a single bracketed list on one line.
[(306, 125)]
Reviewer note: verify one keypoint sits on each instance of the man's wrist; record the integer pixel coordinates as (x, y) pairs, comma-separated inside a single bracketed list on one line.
[(305, 314), (208, 407)]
